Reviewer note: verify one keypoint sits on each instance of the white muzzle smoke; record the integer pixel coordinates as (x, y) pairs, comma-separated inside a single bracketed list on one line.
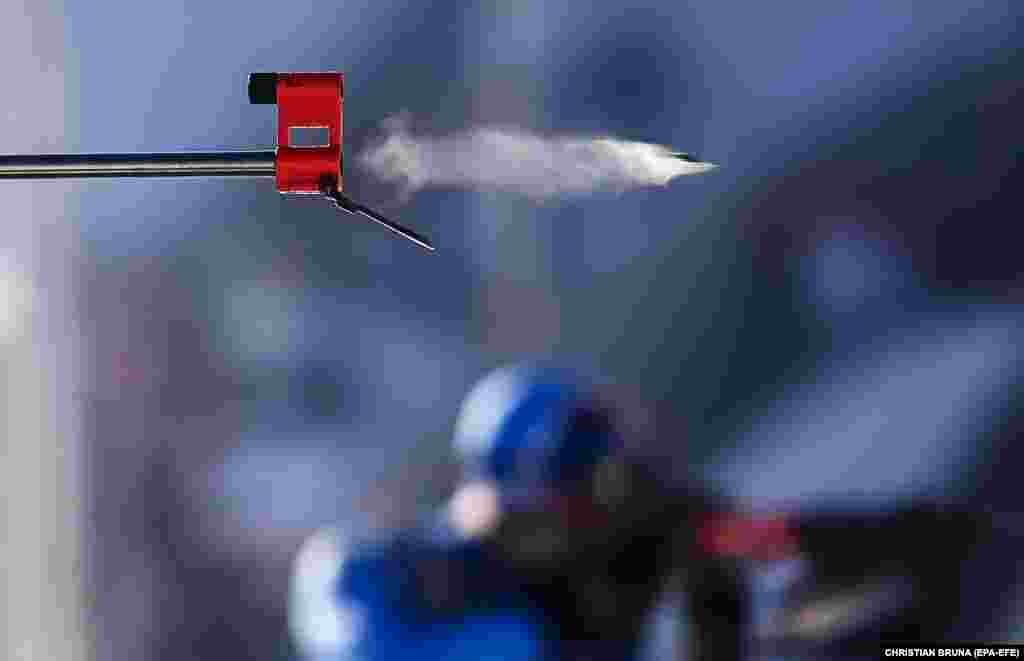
[(514, 160)]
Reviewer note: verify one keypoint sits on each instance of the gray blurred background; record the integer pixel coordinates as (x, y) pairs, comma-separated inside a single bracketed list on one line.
[(199, 374)]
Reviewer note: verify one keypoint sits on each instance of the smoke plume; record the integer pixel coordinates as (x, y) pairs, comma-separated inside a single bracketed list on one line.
[(513, 160)]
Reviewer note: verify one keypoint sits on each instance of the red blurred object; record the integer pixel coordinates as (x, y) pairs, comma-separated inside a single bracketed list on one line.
[(765, 538), (310, 101), (309, 129)]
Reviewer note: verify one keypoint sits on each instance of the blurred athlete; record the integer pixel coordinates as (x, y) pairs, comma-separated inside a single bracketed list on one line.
[(556, 545), (559, 540)]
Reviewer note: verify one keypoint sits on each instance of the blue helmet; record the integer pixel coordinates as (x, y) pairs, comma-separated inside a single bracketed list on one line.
[(533, 429)]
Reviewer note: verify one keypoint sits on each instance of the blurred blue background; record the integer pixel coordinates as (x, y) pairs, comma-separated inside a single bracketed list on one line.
[(835, 310)]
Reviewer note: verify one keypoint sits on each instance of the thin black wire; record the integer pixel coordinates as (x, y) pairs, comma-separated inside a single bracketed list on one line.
[(346, 204)]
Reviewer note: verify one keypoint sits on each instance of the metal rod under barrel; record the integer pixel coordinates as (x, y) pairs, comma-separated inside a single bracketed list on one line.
[(185, 164)]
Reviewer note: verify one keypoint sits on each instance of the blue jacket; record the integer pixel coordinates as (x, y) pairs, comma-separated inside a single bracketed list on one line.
[(425, 594)]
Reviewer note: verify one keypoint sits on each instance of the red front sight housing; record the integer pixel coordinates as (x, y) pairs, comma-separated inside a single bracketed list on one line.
[(309, 135), (309, 127)]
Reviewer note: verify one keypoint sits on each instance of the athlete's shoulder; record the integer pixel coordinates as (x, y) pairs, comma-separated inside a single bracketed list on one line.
[(413, 571), (421, 588), (325, 623), (345, 593)]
